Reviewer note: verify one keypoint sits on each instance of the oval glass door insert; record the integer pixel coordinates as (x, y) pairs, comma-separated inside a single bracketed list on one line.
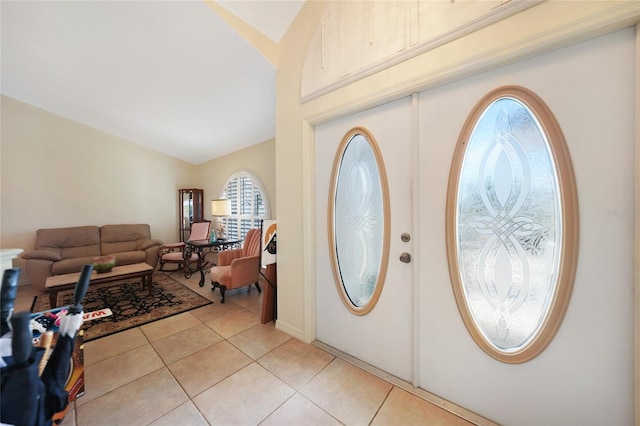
[(358, 219), (512, 224)]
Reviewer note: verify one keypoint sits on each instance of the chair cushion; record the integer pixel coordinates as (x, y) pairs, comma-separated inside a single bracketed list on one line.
[(221, 274), (176, 256)]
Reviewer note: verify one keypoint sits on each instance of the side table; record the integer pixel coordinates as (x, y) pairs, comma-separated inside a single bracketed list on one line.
[(199, 246)]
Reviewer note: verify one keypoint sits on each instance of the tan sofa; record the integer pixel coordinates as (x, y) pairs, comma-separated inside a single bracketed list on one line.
[(64, 250)]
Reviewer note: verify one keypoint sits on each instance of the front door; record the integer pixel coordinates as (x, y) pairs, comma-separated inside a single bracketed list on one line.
[(383, 337), (585, 375)]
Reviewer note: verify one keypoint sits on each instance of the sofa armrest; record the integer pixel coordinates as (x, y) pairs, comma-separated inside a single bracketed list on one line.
[(37, 271), (145, 244), (43, 254)]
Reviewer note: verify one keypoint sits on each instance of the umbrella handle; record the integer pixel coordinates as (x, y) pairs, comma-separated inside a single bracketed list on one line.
[(81, 289), (8, 297), (22, 339)]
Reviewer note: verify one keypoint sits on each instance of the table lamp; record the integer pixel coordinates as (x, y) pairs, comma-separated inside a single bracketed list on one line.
[(220, 208)]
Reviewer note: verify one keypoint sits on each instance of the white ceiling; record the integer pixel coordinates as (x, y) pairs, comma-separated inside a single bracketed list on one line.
[(169, 75)]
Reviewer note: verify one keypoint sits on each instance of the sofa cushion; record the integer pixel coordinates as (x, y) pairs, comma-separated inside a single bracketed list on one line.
[(129, 257), (122, 238), (71, 242), (71, 265)]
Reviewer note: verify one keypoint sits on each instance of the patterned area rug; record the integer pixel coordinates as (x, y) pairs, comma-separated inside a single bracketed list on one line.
[(131, 305)]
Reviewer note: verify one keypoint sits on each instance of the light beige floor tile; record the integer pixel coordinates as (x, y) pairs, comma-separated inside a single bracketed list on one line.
[(106, 347), (259, 340), (137, 403), (168, 326), (298, 410), (402, 407), (184, 343), (117, 364), (255, 307), (70, 418), (251, 301), (348, 393), (245, 398), (193, 282), (296, 362), (215, 310), (116, 371), (233, 323), (207, 367), (205, 290), (187, 414)]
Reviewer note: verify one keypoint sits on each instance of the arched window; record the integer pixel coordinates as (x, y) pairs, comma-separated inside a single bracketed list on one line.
[(249, 204)]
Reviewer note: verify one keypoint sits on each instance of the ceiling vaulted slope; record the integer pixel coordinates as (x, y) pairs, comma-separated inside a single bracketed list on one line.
[(173, 76)]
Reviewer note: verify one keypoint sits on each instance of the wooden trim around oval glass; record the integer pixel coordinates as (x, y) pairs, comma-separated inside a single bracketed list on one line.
[(568, 214), (384, 260)]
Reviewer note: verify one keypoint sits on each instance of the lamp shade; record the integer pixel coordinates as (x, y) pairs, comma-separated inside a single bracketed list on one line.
[(221, 207)]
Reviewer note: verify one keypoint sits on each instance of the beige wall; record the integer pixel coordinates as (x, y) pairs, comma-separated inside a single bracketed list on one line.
[(257, 159), (55, 172), (294, 166)]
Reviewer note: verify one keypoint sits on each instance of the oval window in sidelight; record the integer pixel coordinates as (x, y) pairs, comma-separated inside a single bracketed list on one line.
[(358, 216), (512, 224)]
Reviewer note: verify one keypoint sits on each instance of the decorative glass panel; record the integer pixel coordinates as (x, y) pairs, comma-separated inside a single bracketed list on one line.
[(358, 228), (509, 222)]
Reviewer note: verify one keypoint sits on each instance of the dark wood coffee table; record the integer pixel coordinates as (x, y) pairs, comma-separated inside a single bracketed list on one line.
[(57, 283)]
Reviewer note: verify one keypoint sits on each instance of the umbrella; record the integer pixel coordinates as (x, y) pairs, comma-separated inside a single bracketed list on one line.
[(22, 390), (8, 297), (29, 399), (56, 372)]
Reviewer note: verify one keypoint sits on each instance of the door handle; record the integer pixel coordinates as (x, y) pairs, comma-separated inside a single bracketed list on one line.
[(405, 257)]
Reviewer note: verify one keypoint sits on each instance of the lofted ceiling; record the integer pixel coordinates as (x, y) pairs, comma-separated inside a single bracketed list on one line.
[(173, 76)]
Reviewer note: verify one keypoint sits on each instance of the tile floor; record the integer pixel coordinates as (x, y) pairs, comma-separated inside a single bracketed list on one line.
[(218, 365)]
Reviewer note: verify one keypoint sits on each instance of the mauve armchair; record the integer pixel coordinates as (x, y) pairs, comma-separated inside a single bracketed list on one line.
[(238, 267)]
